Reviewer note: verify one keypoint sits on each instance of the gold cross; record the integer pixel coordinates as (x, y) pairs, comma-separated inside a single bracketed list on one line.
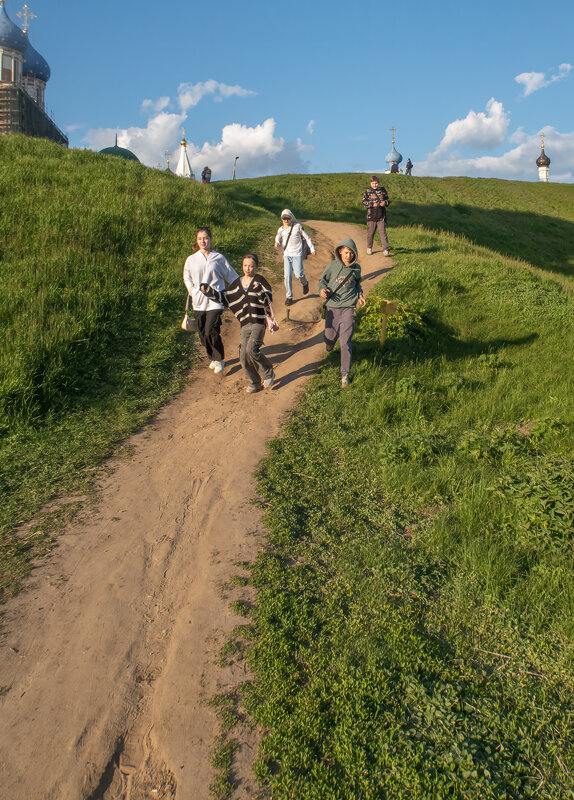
[(393, 129), (26, 16), (167, 155), (542, 135)]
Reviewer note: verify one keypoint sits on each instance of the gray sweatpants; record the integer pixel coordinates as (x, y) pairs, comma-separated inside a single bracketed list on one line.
[(340, 324), (372, 225), (256, 365)]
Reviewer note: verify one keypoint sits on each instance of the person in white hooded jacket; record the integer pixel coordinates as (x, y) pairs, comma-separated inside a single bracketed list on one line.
[(290, 238), (209, 267)]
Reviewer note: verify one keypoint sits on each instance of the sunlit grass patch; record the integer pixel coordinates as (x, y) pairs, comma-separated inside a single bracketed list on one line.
[(415, 597)]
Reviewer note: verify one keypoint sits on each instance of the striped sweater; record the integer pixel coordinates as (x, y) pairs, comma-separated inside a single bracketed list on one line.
[(249, 304)]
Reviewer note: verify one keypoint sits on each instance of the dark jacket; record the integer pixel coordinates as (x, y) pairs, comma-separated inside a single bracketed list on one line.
[(371, 200), (344, 293)]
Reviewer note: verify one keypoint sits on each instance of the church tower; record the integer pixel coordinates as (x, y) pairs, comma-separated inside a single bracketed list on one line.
[(23, 82), (183, 168), (394, 158), (543, 162)]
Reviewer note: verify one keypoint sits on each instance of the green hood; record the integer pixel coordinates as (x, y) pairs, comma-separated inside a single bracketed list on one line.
[(344, 294), (347, 243)]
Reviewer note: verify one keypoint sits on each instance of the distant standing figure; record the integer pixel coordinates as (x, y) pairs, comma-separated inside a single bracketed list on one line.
[(394, 168), (376, 200), (209, 267), (290, 237), (248, 297), (408, 167), (340, 287), (206, 175)]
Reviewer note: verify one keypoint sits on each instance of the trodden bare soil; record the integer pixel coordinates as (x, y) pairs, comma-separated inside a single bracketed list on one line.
[(109, 657)]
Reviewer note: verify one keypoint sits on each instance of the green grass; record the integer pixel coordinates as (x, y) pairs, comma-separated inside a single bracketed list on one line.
[(531, 221), (416, 593), (91, 297), (413, 633)]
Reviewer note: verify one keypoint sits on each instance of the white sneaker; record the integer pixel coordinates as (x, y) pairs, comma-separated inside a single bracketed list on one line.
[(213, 364), (268, 382), (345, 380), (369, 251), (219, 366)]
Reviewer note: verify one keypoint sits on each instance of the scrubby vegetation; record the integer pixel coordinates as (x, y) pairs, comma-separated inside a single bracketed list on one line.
[(91, 296), (413, 634)]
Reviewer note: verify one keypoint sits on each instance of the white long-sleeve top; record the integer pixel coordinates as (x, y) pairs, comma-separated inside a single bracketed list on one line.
[(295, 246), (214, 270)]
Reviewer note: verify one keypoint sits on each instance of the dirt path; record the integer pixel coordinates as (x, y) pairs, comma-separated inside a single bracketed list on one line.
[(109, 656)]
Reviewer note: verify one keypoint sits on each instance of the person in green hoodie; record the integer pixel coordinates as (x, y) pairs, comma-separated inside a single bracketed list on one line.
[(340, 287)]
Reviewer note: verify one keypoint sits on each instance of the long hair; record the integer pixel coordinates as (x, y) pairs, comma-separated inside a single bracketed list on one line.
[(253, 257), (202, 228)]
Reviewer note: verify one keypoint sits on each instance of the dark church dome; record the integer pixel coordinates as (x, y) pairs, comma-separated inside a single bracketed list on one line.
[(35, 65), (11, 35), (542, 160), (120, 152)]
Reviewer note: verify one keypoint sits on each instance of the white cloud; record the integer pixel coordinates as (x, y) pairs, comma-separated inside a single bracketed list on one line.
[(155, 106), (311, 126), (149, 144), (533, 81), (260, 152), (518, 163), (482, 130), (189, 94), (304, 148)]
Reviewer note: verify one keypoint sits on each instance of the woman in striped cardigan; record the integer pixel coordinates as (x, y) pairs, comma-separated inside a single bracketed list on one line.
[(248, 297)]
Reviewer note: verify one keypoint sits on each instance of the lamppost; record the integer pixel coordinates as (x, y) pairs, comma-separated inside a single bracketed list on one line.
[(234, 163)]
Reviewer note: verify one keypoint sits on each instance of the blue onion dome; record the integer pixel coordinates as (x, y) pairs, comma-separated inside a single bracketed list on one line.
[(542, 160), (11, 35), (395, 156), (35, 66), (120, 152)]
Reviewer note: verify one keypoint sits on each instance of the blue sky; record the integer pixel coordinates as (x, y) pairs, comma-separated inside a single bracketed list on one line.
[(315, 87)]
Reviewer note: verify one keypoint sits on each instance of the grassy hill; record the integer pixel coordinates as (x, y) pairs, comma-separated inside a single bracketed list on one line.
[(413, 634), (91, 297), (531, 221)]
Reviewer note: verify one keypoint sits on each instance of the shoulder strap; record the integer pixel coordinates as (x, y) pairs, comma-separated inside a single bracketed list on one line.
[(343, 282), (290, 232)]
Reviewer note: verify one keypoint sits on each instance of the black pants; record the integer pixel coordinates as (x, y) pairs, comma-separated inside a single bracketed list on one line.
[(209, 329)]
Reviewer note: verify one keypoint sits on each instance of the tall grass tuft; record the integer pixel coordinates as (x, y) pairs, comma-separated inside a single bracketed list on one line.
[(416, 595), (91, 296)]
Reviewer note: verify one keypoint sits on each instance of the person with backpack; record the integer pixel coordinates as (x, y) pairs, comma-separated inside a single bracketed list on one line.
[(292, 238)]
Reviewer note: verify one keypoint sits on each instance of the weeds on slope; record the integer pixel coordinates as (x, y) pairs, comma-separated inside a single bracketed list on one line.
[(91, 299), (416, 596)]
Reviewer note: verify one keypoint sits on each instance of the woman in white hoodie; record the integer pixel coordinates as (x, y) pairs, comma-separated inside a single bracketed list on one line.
[(209, 267), (290, 237)]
